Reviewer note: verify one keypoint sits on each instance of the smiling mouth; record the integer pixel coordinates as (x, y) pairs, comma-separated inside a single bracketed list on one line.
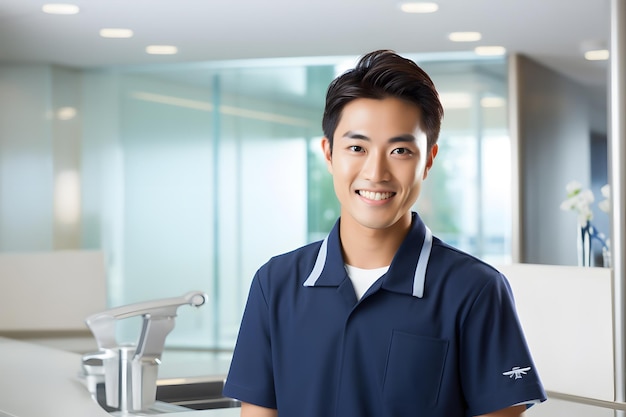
[(371, 195)]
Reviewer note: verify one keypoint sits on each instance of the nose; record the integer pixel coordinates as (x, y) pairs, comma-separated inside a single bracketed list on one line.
[(376, 168)]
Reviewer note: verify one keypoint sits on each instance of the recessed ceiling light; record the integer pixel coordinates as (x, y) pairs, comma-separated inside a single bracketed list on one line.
[(116, 33), (60, 8), (597, 55), (465, 36), (418, 7), (162, 50), (490, 50)]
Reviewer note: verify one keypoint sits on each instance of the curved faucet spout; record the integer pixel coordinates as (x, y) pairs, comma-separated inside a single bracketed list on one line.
[(102, 324)]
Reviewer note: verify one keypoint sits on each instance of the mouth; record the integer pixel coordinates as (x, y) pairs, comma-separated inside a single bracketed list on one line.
[(376, 196)]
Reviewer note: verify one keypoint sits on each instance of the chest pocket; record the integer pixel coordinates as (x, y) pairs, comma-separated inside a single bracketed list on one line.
[(414, 370)]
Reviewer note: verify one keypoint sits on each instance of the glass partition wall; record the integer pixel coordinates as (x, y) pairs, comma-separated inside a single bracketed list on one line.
[(193, 176)]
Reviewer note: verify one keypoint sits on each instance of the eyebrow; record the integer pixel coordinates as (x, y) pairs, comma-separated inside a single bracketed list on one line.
[(402, 138)]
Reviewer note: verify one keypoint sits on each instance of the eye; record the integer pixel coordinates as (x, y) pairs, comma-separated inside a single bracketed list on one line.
[(355, 148), (402, 151)]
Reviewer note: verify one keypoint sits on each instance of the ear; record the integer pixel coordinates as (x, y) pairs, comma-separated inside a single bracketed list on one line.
[(328, 154), (431, 158)]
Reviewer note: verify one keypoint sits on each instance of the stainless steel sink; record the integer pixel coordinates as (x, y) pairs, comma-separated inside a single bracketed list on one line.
[(196, 393), (179, 394)]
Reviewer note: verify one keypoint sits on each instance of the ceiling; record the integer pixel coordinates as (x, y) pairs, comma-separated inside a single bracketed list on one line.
[(553, 32)]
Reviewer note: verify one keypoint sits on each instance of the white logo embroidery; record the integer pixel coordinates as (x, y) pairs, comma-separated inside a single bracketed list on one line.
[(517, 372)]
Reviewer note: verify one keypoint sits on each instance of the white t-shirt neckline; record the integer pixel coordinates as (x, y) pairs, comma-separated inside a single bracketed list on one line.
[(362, 279)]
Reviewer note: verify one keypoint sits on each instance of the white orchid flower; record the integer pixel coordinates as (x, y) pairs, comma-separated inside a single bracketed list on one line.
[(579, 200), (573, 188)]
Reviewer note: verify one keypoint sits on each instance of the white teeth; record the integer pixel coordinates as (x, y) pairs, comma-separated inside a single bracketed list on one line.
[(370, 195)]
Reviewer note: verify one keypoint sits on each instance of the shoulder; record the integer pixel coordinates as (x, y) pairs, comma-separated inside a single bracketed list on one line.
[(296, 257), (287, 266), (462, 269), (442, 253)]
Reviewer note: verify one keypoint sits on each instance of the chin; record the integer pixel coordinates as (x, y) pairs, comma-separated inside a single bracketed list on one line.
[(377, 223)]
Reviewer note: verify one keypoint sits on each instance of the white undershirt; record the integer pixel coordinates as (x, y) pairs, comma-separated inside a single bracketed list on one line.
[(362, 279)]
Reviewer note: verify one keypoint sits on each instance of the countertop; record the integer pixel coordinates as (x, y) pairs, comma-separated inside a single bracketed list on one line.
[(37, 380), (42, 381)]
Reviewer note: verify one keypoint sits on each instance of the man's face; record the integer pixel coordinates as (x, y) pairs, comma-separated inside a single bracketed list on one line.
[(378, 161)]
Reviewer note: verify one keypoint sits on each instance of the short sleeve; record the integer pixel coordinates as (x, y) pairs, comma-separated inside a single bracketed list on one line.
[(250, 378), (497, 370)]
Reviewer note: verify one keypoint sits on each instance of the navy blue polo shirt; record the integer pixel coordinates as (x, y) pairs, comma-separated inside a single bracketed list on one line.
[(437, 335)]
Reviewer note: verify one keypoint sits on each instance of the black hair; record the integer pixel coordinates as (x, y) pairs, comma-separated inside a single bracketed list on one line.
[(382, 74)]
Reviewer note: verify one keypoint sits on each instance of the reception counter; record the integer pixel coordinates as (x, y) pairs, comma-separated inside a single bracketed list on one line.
[(39, 381), (567, 315)]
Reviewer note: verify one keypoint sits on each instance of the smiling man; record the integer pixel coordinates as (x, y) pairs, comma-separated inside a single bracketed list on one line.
[(381, 318)]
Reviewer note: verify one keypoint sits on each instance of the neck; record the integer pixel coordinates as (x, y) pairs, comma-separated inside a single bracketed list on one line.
[(371, 248)]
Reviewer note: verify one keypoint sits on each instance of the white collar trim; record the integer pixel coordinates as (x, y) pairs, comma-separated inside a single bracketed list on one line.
[(419, 279)]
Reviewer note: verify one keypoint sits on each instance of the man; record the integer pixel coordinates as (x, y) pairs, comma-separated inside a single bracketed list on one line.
[(381, 318)]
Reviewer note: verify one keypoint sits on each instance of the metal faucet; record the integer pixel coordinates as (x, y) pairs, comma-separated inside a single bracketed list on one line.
[(129, 372)]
